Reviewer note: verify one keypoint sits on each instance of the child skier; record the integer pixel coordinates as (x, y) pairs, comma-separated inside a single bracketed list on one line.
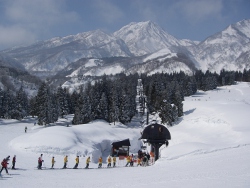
[(77, 162), (100, 162), (87, 162), (4, 164), (65, 161), (114, 161), (109, 162), (52, 162), (13, 162)]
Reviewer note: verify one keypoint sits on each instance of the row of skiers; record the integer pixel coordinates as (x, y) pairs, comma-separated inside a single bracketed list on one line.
[(109, 160), (5, 163)]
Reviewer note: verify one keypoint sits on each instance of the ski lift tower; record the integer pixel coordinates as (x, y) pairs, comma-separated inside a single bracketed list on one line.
[(156, 135)]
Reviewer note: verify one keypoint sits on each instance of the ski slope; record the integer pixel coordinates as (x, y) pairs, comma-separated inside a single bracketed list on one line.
[(210, 147)]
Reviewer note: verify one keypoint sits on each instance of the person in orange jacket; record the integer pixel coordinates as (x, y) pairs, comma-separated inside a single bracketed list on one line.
[(65, 161), (52, 162), (100, 162), (77, 162), (114, 161), (87, 162), (128, 160), (139, 161), (152, 157), (109, 162)]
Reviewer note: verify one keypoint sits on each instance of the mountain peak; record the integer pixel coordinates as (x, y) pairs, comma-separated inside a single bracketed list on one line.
[(243, 26), (145, 37)]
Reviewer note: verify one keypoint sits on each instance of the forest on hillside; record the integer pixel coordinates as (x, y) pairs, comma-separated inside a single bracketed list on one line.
[(112, 98)]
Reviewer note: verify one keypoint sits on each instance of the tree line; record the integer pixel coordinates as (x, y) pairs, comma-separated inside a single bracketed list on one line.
[(112, 98)]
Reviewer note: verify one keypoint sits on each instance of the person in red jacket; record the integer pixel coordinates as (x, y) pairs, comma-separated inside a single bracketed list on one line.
[(40, 162), (4, 164)]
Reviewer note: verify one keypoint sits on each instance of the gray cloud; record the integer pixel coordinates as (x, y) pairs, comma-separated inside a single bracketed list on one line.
[(26, 20), (197, 10), (107, 11), (15, 35)]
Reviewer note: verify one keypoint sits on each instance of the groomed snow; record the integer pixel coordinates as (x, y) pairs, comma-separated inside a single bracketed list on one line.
[(210, 147)]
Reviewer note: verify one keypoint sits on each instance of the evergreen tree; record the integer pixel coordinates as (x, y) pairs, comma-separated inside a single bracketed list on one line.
[(45, 105), (8, 105), (63, 106), (22, 107), (166, 113), (102, 108)]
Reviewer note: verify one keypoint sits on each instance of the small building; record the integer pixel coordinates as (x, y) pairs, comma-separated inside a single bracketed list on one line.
[(120, 148)]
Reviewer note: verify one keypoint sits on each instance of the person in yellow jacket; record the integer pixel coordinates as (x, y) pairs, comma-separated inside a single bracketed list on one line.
[(128, 160), (52, 162), (139, 161), (109, 162), (87, 162), (114, 161), (65, 161), (77, 162), (100, 162)]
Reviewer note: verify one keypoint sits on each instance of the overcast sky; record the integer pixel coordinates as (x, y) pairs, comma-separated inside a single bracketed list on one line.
[(27, 21)]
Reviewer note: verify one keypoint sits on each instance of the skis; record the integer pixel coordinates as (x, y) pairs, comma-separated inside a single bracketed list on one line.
[(5, 176)]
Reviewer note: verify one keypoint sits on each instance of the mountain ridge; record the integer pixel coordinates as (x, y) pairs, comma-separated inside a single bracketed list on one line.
[(228, 49)]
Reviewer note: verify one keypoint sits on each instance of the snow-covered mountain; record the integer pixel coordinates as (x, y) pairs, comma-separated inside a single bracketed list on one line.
[(228, 49), (145, 37), (143, 46), (6, 61), (13, 76), (48, 57)]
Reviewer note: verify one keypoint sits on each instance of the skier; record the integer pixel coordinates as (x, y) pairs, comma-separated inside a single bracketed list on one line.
[(100, 162), (132, 160), (152, 157), (109, 162), (144, 160), (114, 161), (65, 161), (148, 158), (25, 129), (87, 162), (4, 164), (128, 160), (77, 162), (13, 162), (52, 162), (139, 161), (40, 162)]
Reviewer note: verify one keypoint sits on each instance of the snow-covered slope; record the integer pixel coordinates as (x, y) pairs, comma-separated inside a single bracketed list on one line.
[(210, 147), (145, 37)]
